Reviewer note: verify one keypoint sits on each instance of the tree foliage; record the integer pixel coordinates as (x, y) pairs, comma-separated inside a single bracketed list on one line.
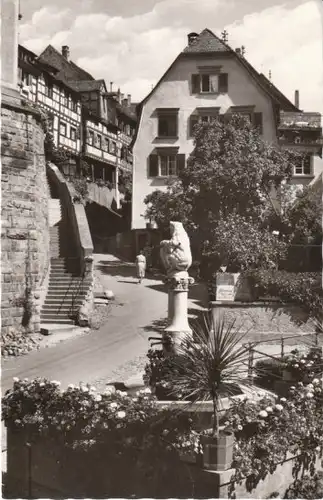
[(228, 196)]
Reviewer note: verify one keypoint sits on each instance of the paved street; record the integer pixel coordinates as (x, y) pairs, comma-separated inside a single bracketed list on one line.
[(123, 338)]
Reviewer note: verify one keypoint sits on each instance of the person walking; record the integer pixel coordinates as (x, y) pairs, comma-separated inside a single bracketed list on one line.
[(141, 266)]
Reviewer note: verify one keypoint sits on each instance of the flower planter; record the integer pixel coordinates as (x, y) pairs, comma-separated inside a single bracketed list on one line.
[(218, 451)]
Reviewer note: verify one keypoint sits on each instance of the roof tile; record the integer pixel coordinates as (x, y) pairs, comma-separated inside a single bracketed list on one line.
[(206, 42)]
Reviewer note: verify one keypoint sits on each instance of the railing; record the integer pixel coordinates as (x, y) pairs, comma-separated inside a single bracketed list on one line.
[(256, 354)]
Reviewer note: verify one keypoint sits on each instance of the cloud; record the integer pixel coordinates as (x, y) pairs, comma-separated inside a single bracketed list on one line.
[(134, 47)]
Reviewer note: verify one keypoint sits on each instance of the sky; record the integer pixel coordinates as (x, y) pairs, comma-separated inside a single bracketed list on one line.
[(132, 42)]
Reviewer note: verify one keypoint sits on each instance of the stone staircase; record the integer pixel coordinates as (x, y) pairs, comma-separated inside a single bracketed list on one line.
[(67, 288)]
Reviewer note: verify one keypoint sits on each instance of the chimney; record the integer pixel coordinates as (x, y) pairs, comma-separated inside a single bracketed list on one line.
[(129, 99), (191, 38), (66, 52), (238, 51), (297, 98), (121, 98)]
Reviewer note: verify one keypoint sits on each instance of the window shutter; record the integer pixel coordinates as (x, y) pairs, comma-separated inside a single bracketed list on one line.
[(223, 82), (195, 84), (30, 80), (258, 121), (193, 121), (153, 166), (180, 162)]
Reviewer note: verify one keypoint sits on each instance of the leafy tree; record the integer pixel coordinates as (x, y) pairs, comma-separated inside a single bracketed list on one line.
[(227, 195)]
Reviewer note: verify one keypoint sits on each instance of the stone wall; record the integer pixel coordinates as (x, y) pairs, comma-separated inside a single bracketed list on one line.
[(25, 229)]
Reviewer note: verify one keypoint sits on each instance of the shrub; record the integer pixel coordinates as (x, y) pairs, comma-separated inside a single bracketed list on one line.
[(112, 431), (307, 487), (304, 289), (268, 371)]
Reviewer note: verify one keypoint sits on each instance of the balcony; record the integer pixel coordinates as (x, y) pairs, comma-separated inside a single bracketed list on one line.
[(100, 155), (290, 120)]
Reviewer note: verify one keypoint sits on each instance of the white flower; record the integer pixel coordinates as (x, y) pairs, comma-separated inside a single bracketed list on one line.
[(113, 405), (134, 400), (302, 361), (121, 414), (56, 383), (269, 409), (42, 384), (240, 427), (263, 414), (279, 407), (261, 394), (122, 393), (146, 391), (15, 379), (71, 386), (165, 432), (92, 388), (317, 448), (97, 397), (315, 381), (276, 233), (84, 389), (283, 400), (310, 386), (310, 395), (107, 392), (296, 365)]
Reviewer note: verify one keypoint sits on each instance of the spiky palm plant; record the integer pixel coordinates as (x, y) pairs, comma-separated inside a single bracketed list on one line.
[(210, 363)]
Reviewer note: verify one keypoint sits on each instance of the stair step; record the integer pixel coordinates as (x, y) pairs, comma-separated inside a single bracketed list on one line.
[(61, 321), (59, 310), (68, 302), (58, 315)]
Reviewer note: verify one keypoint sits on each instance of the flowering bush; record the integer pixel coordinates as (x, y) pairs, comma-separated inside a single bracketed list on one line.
[(117, 431), (267, 430), (304, 367)]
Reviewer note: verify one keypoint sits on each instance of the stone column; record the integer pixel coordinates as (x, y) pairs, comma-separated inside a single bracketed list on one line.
[(178, 327), (9, 50)]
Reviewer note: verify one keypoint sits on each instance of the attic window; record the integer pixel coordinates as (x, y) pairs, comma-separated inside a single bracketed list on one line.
[(209, 83)]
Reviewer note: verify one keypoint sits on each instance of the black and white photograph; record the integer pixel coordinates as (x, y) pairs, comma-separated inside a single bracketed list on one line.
[(161, 249)]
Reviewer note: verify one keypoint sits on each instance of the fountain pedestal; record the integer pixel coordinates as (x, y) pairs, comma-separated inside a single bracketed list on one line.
[(178, 327)]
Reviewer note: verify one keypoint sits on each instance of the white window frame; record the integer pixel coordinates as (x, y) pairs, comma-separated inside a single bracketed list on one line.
[(90, 138), (168, 165), (73, 132), (64, 125), (213, 89), (301, 173)]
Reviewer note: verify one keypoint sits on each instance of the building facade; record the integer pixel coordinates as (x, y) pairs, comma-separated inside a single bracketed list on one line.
[(84, 118), (208, 79)]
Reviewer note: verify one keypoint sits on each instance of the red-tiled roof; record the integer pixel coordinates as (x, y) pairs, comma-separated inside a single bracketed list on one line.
[(206, 42)]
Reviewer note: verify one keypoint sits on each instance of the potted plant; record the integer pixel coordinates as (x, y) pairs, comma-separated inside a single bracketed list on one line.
[(210, 365)]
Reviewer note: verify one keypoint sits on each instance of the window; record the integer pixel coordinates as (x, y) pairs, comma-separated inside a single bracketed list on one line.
[(26, 78), (113, 147), (90, 137), (205, 115), (165, 165), (73, 134), (209, 83), (303, 166), (65, 99), (62, 129), (167, 123), (73, 105), (48, 89), (99, 142), (106, 140)]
